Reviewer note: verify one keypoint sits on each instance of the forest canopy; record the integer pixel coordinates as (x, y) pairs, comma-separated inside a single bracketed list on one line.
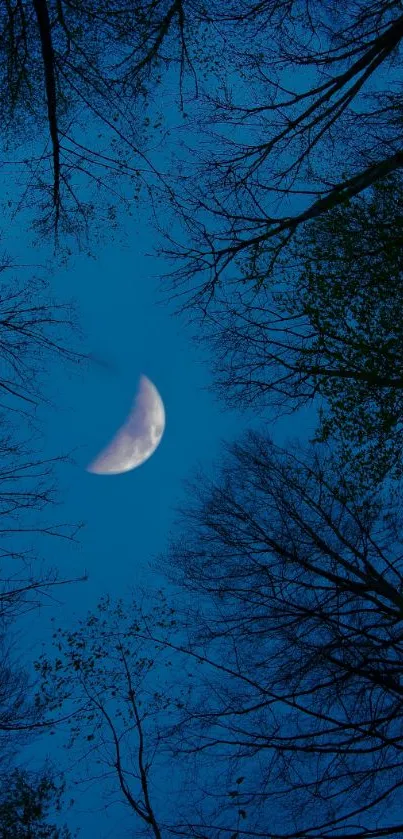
[(259, 693)]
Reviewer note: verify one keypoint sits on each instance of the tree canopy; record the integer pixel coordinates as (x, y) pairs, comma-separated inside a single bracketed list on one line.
[(76, 75), (269, 678), (306, 114), (326, 326), (297, 593), (65, 65), (288, 633), (25, 802)]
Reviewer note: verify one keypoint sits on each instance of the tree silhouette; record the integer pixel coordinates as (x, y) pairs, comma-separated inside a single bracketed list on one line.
[(34, 331), (290, 626), (25, 802), (326, 325), (76, 77), (307, 115), (65, 65), (295, 606), (104, 673)]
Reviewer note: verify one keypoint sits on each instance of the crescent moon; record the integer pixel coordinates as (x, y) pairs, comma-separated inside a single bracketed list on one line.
[(137, 438)]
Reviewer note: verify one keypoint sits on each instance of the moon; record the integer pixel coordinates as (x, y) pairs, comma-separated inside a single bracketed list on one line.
[(138, 437)]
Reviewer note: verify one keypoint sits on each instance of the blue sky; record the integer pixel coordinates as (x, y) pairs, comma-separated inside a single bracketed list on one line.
[(128, 518)]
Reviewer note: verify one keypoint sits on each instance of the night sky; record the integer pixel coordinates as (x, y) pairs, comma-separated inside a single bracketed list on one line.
[(127, 517), (130, 328)]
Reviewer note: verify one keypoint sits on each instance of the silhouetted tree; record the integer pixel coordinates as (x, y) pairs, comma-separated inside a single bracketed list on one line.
[(328, 325), (295, 605), (25, 802), (306, 114), (67, 67), (27, 495), (34, 329), (76, 78), (114, 684), (18, 714), (290, 626)]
